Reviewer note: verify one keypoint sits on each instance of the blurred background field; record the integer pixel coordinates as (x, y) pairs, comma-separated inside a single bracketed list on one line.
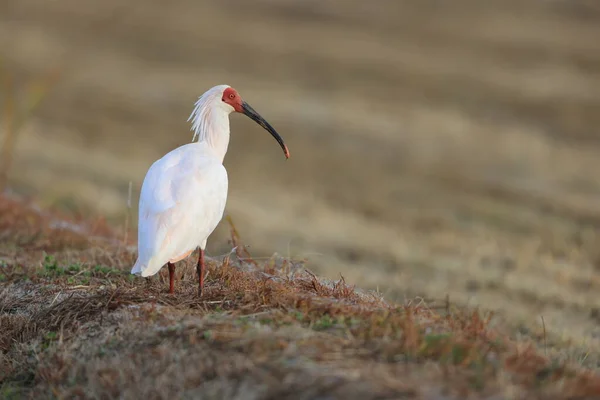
[(437, 148)]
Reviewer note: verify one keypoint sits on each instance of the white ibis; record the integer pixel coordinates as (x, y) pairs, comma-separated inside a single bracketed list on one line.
[(184, 193)]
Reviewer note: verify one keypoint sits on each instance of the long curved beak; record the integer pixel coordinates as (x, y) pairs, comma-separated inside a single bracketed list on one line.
[(251, 113)]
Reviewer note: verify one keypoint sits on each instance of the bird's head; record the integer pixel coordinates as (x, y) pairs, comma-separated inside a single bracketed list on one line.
[(232, 101)]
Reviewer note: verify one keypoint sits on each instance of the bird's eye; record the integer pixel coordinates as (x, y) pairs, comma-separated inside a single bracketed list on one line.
[(231, 95)]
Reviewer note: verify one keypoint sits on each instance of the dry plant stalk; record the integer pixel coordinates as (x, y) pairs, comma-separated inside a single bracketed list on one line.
[(10, 136), (128, 215), (240, 250), (37, 91)]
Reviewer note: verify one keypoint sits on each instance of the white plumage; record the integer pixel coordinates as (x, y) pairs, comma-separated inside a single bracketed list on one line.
[(184, 193), (182, 201)]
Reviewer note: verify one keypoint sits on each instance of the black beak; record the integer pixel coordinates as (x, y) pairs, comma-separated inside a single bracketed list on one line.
[(249, 111)]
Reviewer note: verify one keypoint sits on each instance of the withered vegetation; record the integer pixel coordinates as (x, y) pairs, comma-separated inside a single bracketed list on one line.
[(75, 324)]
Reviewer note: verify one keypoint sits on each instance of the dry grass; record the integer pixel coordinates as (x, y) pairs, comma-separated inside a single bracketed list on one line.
[(469, 128), (75, 324), (475, 127)]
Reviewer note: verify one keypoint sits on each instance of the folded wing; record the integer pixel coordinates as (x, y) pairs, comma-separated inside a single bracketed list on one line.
[(181, 202)]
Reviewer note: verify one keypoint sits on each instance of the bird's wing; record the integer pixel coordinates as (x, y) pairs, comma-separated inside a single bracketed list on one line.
[(176, 201)]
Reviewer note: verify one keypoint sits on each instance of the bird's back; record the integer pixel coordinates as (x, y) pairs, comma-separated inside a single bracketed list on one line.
[(181, 202)]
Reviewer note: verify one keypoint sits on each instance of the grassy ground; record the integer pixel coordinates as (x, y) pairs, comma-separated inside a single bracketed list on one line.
[(439, 149), (75, 324), (436, 148)]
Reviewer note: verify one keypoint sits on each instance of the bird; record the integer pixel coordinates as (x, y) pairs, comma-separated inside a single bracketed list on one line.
[(183, 195)]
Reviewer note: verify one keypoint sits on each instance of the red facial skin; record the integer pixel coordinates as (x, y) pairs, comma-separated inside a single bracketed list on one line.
[(233, 98)]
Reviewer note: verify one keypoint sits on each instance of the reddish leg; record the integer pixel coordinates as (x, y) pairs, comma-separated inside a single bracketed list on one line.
[(171, 277), (200, 270)]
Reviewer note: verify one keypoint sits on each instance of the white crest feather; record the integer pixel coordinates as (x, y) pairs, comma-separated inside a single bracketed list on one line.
[(202, 109)]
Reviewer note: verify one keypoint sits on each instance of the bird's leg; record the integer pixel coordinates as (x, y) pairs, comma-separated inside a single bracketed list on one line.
[(200, 270), (171, 277)]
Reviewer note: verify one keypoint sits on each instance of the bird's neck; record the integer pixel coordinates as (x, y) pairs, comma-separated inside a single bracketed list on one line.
[(214, 131)]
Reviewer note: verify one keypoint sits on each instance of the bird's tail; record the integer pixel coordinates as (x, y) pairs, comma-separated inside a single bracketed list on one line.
[(147, 268), (138, 267)]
